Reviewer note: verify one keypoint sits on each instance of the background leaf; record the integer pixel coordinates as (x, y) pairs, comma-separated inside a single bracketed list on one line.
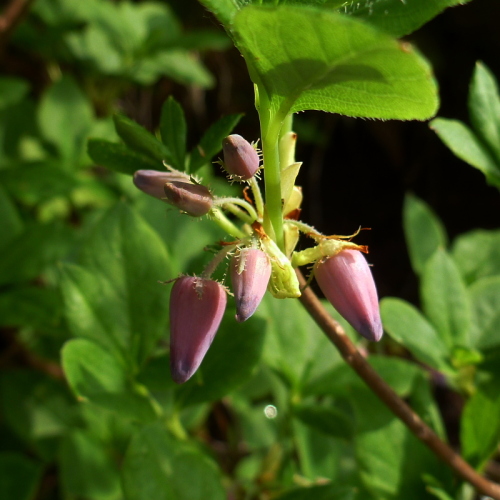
[(119, 158), (173, 131), (19, 476), (445, 301), (156, 466), (466, 145), (96, 375), (424, 232), (406, 325), (484, 108)]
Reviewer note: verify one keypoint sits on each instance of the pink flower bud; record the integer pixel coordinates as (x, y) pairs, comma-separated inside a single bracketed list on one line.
[(194, 199), (196, 309), (152, 181), (240, 158), (347, 282), (250, 273)]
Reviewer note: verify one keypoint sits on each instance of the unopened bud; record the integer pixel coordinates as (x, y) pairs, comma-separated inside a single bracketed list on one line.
[(197, 306), (152, 181), (347, 283), (250, 273), (240, 158), (194, 199)]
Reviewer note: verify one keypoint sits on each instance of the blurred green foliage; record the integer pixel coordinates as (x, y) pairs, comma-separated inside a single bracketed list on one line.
[(273, 411)]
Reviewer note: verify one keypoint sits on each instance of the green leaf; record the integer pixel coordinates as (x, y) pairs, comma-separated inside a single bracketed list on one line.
[(325, 419), (467, 146), (406, 325), (477, 254), (480, 428), (176, 64), (211, 142), (323, 492), (156, 466), (87, 469), (484, 108), (229, 362), (173, 131), (12, 224), (139, 139), (37, 407), (224, 10), (424, 232), (12, 90), (117, 300), (445, 301), (485, 299), (306, 58), (119, 158), (97, 376), (396, 17), (65, 117), (19, 476), (33, 252)]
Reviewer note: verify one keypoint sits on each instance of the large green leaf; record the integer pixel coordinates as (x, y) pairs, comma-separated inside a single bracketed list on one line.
[(327, 420), (116, 299), (477, 254), (97, 376), (229, 362), (19, 476), (157, 466), (485, 299), (88, 468), (12, 224), (120, 158), (424, 232), (484, 108), (464, 143), (307, 58), (173, 131), (406, 325), (139, 139), (445, 301), (65, 117), (398, 17), (323, 492), (480, 428)]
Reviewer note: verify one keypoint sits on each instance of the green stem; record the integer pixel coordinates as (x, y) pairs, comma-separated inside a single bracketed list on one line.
[(214, 263), (303, 227), (270, 130), (228, 204), (224, 223), (257, 196)]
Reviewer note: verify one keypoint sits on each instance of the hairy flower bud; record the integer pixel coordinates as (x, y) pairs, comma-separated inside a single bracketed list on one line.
[(194, 199), (152, 181), (196, 309), (347, 282), (240, 158), (250, 273)]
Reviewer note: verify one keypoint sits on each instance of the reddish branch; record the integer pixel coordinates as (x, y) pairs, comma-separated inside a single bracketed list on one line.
[(371, 378), (12, 16)]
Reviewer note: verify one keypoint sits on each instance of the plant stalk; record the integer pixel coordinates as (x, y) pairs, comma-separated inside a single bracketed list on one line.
[(372, 379)]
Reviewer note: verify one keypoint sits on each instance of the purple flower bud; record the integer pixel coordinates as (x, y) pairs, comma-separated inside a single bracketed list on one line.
[(240, 158), (152, 181), (194, 199), (250, 273), (347, 282), (196, 309)]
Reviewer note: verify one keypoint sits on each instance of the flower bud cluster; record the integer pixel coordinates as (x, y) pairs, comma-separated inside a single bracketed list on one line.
[(257, 263)]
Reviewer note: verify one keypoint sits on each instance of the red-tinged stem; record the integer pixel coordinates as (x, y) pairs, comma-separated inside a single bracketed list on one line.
[(12, 16), (373, 380)]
